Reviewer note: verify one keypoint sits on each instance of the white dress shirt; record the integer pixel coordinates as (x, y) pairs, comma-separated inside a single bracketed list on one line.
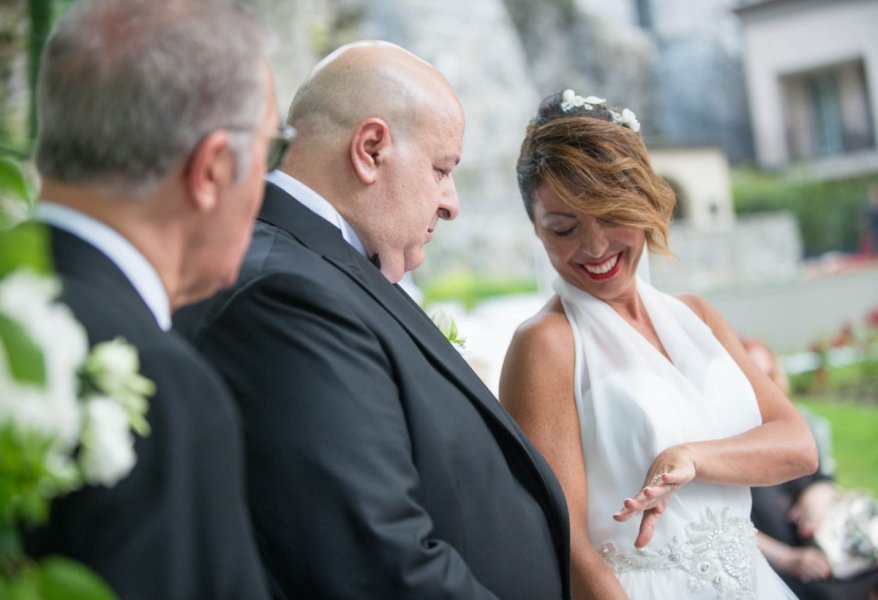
[(320, 206), (317, 204), (124, 255)]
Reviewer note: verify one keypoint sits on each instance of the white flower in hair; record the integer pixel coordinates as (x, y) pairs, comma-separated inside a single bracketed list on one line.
[(571, 100), (629, 120)]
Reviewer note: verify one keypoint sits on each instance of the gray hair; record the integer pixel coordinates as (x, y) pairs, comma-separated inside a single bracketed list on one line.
[(128, 88)]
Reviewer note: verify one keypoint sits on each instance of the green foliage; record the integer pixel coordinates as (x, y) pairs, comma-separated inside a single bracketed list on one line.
[(25, 246), (838, 381), (34, 467), (16, 196), (855, 447), (54, 578), (41, 13), (12, 180), (830, 213), (847, 362), (24, 357), (469, 288), (67, 579), (26, 482)]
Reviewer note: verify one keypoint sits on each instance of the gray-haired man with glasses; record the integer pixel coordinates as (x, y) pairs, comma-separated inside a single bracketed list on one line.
[(157, 124)]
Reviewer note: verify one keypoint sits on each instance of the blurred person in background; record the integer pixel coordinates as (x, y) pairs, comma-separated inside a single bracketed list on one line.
[(789, 515)]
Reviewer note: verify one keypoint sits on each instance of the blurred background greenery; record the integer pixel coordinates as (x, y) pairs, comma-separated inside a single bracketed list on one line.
[(829, 212), (854, 447)]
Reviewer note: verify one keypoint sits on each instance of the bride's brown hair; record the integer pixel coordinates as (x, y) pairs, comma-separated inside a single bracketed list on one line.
[(597, 166)]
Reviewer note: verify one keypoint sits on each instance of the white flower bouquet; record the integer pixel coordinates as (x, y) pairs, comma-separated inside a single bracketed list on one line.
[(67, 415)]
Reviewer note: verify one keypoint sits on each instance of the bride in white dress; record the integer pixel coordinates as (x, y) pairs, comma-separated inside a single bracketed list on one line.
[(646, 405)]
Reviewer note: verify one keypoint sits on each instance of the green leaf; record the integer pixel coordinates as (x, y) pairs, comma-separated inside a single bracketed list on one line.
[(12, 180), (15, 195), (25, 246), (19, 579), (64, 579), (25, 358), (10, 542)]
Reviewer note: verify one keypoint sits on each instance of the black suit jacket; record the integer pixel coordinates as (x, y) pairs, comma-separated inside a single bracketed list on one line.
[(177, 526), (379, 465)]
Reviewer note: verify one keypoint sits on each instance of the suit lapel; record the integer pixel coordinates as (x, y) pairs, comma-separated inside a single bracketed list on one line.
[(322, 237)]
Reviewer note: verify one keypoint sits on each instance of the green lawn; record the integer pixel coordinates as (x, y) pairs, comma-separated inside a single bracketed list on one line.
[(855, 440)]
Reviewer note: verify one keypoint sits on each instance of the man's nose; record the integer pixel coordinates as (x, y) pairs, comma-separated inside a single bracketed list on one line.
[(449, 206)]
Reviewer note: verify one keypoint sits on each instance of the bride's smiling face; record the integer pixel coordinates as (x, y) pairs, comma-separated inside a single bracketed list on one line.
[(593, 254)]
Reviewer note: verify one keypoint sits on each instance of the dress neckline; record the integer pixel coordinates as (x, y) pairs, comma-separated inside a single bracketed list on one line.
[(667, 355)]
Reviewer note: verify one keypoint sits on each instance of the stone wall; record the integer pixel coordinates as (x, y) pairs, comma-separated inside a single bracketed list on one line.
[(754, 250), (790, 315), (476, 46)]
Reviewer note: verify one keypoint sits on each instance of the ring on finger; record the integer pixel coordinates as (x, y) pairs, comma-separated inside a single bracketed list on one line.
[(657, 479)]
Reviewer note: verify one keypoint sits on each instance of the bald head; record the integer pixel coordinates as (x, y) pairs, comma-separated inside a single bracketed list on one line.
[(369, 79), (379, 133)]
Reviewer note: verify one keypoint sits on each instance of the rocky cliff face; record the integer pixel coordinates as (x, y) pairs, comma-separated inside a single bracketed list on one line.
[(594, 48), (675, 63), (699, 75), (476, 46)]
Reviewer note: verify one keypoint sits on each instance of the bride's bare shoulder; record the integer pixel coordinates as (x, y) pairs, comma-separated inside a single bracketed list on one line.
[(538, 369), (547, 330)]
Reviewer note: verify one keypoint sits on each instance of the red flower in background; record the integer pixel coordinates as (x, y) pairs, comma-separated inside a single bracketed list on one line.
[(845, 336), (817, 347)]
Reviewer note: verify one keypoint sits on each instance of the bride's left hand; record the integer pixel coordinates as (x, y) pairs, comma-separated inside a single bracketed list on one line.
[(670, 470)]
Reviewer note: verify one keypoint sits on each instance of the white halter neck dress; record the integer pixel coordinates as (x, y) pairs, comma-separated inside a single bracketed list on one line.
[(633, 403)]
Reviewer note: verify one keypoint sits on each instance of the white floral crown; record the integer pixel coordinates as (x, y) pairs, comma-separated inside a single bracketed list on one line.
[(570, 100)]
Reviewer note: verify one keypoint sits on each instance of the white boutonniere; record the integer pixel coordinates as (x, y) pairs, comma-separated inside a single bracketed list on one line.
[(448, 327)]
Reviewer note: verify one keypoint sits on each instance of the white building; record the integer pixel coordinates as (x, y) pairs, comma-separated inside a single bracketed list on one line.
[(812, 72)]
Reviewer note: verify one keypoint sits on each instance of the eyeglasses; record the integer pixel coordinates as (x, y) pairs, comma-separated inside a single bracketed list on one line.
[(279, 146)]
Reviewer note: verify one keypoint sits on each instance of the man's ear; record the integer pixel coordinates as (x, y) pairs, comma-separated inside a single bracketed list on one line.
[(211, 167), (370, 146)]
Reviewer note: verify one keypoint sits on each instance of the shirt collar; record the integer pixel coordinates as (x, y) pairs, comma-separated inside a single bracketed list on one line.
[(114, 246), (317, 204)]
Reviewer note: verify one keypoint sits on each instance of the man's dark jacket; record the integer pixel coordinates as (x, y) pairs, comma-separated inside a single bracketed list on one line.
[(379, 464), (177, 527)]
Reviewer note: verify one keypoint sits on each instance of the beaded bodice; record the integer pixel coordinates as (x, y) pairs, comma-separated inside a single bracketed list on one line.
[(718, 552)]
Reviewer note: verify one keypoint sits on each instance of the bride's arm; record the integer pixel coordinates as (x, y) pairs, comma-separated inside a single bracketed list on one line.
[(780, 449), (536, 387)]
